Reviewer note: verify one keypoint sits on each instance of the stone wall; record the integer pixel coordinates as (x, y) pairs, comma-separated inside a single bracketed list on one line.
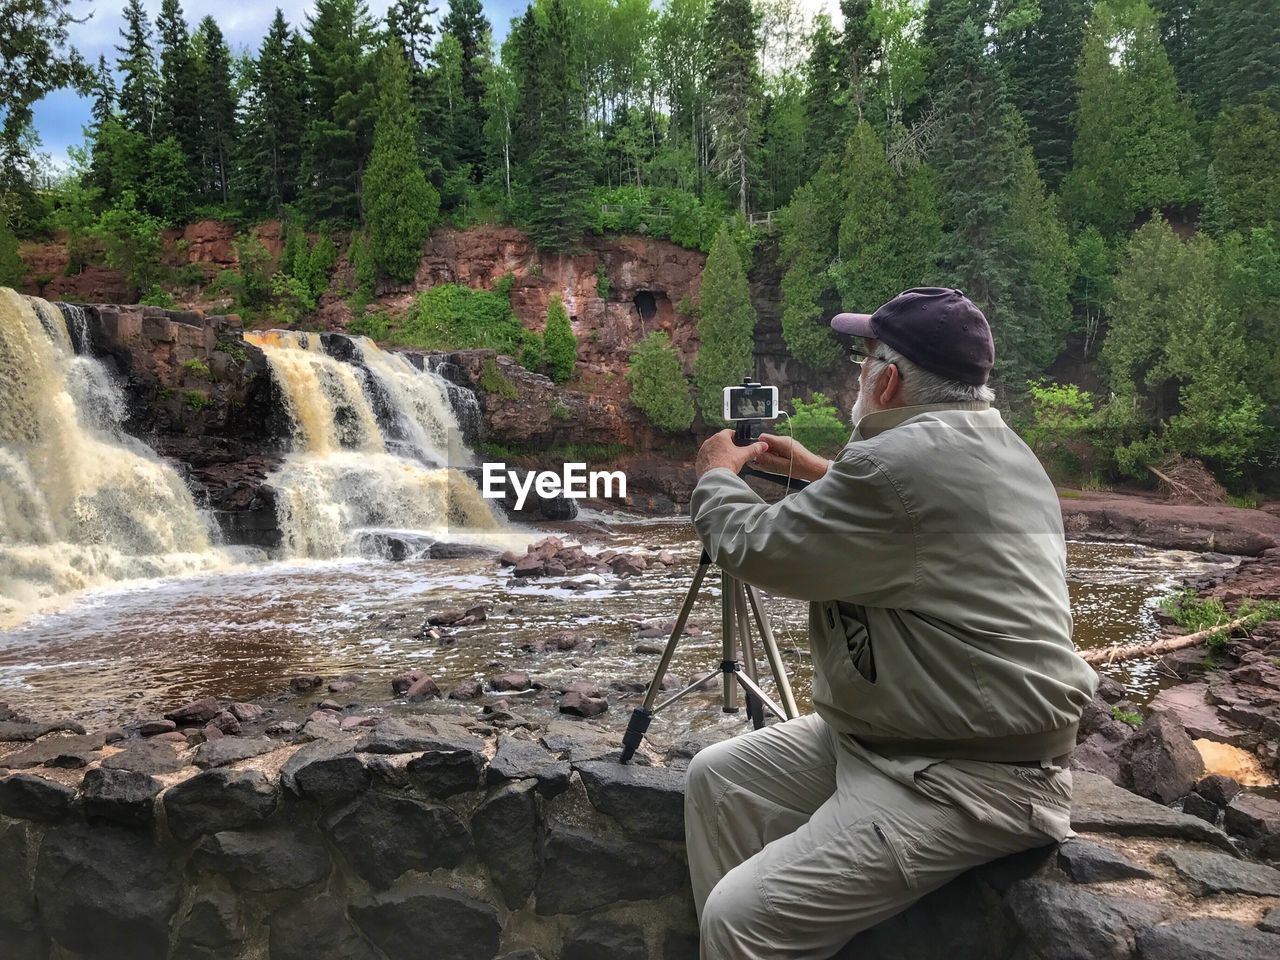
[(446, 835)]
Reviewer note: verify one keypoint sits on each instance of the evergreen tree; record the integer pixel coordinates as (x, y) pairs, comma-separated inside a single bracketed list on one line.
[(339, 129), (734, 80), (1236, 53), (1245, 178), (103, 113), (860, 44), (271, 136), (996, 214), (1040, 59), (467, 23), (137, 65), (659, 387), (12, 269), (1134, 149), (409, 23), (559, 345), (178, 94), (726, 326), (217, 104), (556, 178), (824, 76), (400, 206), (807, 240)]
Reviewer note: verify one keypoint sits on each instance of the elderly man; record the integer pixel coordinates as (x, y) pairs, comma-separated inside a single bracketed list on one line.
[(946, 688)]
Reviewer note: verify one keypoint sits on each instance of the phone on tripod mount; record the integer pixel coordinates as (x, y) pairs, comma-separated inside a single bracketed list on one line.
[(746, 406)]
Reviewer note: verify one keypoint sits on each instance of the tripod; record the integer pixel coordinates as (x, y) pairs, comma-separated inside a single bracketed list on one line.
[(736, 598)]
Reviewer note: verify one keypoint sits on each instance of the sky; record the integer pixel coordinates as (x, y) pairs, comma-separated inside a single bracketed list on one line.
[(61, 117)]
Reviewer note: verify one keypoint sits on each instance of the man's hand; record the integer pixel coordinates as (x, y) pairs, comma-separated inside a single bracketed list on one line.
[(778, 454), (718, 450)]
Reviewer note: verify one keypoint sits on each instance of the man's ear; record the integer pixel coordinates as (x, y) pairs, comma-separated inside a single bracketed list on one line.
[(889, 389)]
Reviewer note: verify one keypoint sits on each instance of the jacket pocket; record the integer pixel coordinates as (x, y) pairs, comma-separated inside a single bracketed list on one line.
[(849, 634)]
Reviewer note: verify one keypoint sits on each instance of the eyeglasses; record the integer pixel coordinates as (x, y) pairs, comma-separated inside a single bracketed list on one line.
[(859, 357)]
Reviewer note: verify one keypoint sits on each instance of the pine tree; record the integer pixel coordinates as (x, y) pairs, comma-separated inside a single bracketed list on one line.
[(659, 387), (556, 178), (178, 95), (217, 107), (1236, 53), (824, 76), (136, 63), (860, 43), (1135, 149), (734, 79), (103, 113), (271, 136), (340, 127), (467, 23), (807, 240), (1245, 177), (559, 345), (1040, 60), (400, 206), (726, 326)]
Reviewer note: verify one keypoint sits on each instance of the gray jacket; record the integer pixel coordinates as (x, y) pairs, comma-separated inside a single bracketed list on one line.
[(933, 557)]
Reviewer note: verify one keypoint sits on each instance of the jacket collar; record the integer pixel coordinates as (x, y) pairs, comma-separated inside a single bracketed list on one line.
[(876, 423)]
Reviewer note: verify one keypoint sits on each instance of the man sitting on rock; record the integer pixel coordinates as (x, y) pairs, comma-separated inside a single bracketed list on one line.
[(946, 685)]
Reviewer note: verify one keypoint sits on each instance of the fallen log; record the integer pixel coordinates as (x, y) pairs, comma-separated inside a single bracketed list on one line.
[(1103, 655)]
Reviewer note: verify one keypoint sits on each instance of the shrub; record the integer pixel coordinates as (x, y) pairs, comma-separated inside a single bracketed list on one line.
[(451, 316), (361, 257), (196, 367), (293, 299), (251, 284), (158, 296), (726, 327), (1126, 716), (818, 425), (130, 239), (560, 411), (659, 387), (196, 399), (375, 325), (1061, 416), (602, 282), (493, 380), (314, 268), (559, 345)]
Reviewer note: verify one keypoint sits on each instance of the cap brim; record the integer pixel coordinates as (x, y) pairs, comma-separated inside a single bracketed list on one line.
[(852, 324)]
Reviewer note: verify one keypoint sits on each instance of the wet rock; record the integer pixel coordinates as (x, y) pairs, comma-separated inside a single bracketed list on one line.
[(400, 921), (113, 735), (1206, 939), (1218, 789), (384, 836), (578, 704), (198, 712), (177, 736), (1067, 922), (246, 712), (584, 870), (227, 723), (19, 844), (316, 929), (219, 753), (149, 728), (122, 796), (1213, 873), (1163, 762), (1096, 755), (323, 717), (647, 648), (1198, 806), (23, 730), (442, 772), (646, 801), (218, 800), (1257, 820), (1270, 922), (327, 772), (509, 558), (1110, 689), (423, 689), (305, 684), (1086, 862), (211, 928), (603, 936), (508, 838), (106, 892), (530, 566), (1099, 806), (28, 797), (466, 690), (356, 722), (208, 732), (1198, 717), (401, 683), (628, 564), (514, 681), (266, 860), (459, 618), (342, 686), (1097, 718), (1186, 664), (333, 705), (282, 728), (57, 751), (521, 760)]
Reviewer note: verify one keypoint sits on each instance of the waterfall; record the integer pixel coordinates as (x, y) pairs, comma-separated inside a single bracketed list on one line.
[(375, 450), (82, 503)]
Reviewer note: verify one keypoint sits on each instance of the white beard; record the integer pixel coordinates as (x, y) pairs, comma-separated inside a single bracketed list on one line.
[(861, 407)]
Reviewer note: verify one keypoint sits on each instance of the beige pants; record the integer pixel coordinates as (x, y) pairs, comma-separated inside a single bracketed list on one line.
[(799, 838)]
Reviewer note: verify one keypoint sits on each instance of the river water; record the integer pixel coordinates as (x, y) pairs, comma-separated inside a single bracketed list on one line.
[(123, 653)]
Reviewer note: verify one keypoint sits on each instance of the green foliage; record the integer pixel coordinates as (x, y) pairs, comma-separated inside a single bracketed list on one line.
[(12, 269), (1130, 717), (74, 214), (375, 325), (362, 264), (157, 296), (808, 230), (451, 316), (252, 283), (292, 299), (559, 411), (400, 205), (196, 399), (667, 213), (559, 345), (492, 380), (1244, 177), (314, 267), (196, 367), (131, 241), (602, 282), (818, 425), (1189, 611), (1248, 501), (726, 327), (1061, 419), (659, 387)]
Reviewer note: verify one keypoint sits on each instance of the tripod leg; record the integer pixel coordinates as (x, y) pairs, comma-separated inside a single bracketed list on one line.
[(770, 644), (728, 640), (677, 631), (755, 709)]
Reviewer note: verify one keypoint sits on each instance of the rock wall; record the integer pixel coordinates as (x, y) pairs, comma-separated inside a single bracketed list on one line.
[(474, 838)]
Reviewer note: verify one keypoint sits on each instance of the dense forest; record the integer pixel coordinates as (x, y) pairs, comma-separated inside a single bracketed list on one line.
[(1100, 177)]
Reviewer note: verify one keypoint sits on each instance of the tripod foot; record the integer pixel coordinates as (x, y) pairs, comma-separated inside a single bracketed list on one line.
[(636, 728)]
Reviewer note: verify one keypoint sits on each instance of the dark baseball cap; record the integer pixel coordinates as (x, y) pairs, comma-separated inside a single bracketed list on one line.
[(938, 328)]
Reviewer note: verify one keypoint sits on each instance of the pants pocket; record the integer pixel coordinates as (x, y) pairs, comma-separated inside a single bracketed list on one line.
[(894, 846)]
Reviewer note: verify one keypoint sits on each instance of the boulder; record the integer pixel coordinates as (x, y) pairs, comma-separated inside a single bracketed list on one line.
[(248, 712), (211, 929), (1163, 762), (21, 731), (1218, 789), (219, 753), (424, 688), (1086, 862), (57, 751), (508, 838), (449, 767), (1257, 819), (198, 712), (148, 756), (123, 796), (1213, 873), (1099, 806), (466, 690), (522, 760), (591, 938), (399, 922), (514, 681), (578, 704), (327, 772), (583, 870), (217, 800), (149, 728), (384, 836), (1206, 939), (283, 857), (1067, 922), (28, 797), (646, 801), (315, 929)]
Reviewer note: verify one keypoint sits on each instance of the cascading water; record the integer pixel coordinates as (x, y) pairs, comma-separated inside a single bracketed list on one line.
[(82, 503), (376, 449)]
